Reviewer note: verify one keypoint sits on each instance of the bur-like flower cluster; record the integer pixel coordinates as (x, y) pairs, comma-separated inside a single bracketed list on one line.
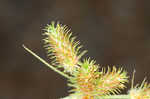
[(84, 79), (62, 47), (112, 81)]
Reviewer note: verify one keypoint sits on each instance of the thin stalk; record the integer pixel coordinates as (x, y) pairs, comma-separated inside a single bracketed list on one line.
[(117, 97), (47, 64), (104, 97)]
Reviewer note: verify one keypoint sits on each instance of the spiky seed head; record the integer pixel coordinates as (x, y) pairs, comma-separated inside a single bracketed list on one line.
[(141, 92), (84, 80), (61, 46), (111, 81)]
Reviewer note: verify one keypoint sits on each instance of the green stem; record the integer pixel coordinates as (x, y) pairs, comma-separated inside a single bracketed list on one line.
[(47, 64), (104, 97), (117, 97)]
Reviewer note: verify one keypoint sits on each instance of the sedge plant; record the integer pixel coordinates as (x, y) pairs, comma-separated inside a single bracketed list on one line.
[(86, 78)]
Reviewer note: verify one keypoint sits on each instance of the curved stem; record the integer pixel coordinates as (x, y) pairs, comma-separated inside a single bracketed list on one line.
[(47, 64)]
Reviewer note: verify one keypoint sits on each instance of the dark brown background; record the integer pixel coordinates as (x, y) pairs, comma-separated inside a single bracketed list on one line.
[(113, 31)]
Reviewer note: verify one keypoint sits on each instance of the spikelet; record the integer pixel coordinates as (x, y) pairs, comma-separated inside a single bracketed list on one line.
[(112, 81), (84, 80), (61, 47), (142, 92)]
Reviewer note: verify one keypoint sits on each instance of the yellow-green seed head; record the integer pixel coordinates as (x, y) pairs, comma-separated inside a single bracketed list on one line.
[(112, 81), (84, 80), (61, 46)]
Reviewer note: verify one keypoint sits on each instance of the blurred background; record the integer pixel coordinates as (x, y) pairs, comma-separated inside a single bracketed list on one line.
[(115, 32)]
